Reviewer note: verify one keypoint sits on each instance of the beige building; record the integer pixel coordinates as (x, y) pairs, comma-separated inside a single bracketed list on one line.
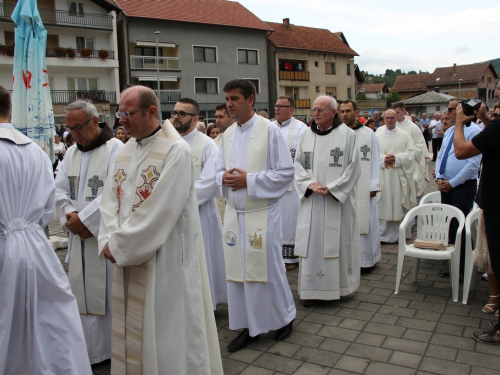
[(306, 62)]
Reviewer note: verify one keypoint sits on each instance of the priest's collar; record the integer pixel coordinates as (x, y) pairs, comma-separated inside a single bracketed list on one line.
[(390, 132), (358, 125), (150, 137), (335, 123), (284, 123), (249, 123), (189, 137), (104, 136)]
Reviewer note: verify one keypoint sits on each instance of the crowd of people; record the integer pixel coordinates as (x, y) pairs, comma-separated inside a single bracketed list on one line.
[(166, 222)]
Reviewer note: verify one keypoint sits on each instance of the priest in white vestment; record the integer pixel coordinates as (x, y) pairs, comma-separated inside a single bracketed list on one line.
[(205, 151), (421, 172), (327, 169), (163, 320), (397, 166), (291, 129), (368, 186), (79, 185), (254, 170), (40, 329)]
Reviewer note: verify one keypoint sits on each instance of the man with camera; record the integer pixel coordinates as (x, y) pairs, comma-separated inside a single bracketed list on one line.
[(485, 143), (456, 179)]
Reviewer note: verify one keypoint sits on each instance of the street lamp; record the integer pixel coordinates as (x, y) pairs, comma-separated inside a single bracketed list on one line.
[(353, 89), (157, 33), (460, 88)]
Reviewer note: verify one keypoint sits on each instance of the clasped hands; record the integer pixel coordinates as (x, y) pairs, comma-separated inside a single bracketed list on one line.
[(318, 189), (389, 159), (235, 181), (75, 226), (444, 185)]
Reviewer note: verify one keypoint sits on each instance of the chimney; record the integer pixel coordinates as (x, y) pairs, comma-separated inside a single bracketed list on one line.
[(455, 68), (286, 22)]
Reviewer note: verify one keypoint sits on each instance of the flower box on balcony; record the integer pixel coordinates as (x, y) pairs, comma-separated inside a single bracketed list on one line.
[(71, 52), (103, 54), (60, 52), (7, 50), (86, 52)]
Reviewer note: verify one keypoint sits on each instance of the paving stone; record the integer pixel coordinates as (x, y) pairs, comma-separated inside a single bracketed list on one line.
[(370, 298), (442, 352), (422, 325), (277, 363), (382, 292), (306, 339), (373, 276), (405, 345), (440, 366), (487, 349), (434, 291), (223, 349), (405, 359), (324, 319), (397, 301), (409, 295), (428, 306), (384, 329), (417, 335), (479, 359), (355, 324), (436, 299), (369, 352), (338, 333), (364, 289), (253, 370), (453, 342), (373, 307), (399, 311), (227, 335), (428, 315), (336, 346), (264, 343), (312, 369), (317, 356), (352, 364), (482, 371), (457, 310), (460, 320), (355, 314), (381, 284), (370, 339), (246, 355), (449, 329), (301, 314), (413, 287), (377, 368), (232, 367), (285, 349), (307, 327)]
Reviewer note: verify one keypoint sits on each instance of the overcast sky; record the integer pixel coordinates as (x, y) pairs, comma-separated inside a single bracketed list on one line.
[(388, 34)]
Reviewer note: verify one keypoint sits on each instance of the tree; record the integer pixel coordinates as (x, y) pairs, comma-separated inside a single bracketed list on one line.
[(361, 96), (391, 98)]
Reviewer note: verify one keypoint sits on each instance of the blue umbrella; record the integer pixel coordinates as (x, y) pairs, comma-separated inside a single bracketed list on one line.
[(32, 112)]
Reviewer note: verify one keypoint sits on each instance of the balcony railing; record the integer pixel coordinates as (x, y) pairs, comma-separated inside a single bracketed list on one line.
[(54, 52), (149, 62), (95, 96), (294, 75), (302, 103), (169, 96), (61, 17)]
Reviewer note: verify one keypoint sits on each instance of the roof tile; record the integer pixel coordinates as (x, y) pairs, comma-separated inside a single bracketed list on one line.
[(410, 82), (470, 73), (373, 87)]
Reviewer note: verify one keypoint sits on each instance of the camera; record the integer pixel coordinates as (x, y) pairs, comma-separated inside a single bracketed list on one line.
[(469, 106)]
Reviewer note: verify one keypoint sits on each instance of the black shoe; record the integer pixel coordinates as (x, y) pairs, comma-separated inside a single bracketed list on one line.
[(284, 332), (445, 273), (241, 341)]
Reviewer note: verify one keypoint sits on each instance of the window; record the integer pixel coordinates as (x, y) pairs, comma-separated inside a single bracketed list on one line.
[(248, 56), (206, 86), (205, 54), (82, 43), (75, 9), (316, 64), (147, 51), (332, 91), (330, 68), (317, 88), (348, 69), (349, 94), (438, 108), (489, 80), (256, 83), (82, 84)]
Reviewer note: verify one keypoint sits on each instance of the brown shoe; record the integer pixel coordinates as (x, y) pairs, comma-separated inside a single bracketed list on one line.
[(308, 302), (291, 266)]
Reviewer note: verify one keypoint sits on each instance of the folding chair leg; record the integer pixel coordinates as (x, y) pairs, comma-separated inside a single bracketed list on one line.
[(454, 275), (401, 259), (416, 267)]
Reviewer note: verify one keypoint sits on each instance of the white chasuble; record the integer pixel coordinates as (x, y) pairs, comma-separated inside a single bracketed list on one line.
[(87, 272), (205, 153), (258, 306), (254, 238), (163, 319), (369, 244), (327, 229)]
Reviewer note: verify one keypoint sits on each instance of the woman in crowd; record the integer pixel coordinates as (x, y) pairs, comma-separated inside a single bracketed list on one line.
[(213, 131), (121, 135)]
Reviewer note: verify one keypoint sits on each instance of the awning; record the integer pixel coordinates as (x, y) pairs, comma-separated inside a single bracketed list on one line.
[(143, 43), (155, 79)]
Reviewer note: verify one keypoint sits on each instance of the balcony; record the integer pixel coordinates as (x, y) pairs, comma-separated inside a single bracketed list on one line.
[(91, 54), (294, 75), (303, 103), (94, 96), (149, 63), (63, 18), (169, 96)]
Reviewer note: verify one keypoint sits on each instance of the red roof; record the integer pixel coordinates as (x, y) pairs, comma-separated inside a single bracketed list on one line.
[(308, 39), (214, 12), (411, 82), (375, 87), (470, 73)]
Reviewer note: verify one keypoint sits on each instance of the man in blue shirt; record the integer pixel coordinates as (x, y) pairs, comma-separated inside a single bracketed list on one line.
[(425, 122), (457, 179)]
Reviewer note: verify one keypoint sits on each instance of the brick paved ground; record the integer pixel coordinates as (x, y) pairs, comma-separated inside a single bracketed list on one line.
[(373, 331)]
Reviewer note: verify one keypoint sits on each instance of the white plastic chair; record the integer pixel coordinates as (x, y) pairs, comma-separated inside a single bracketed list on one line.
[(470, 271), (436, 220), (434, 197)]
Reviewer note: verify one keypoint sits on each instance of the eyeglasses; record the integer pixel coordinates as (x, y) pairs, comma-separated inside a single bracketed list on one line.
[(495, 115), (320, 110), (451, 109), (77, 128), (181, 114), (389, 117), (126, 114), (282, 106)]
